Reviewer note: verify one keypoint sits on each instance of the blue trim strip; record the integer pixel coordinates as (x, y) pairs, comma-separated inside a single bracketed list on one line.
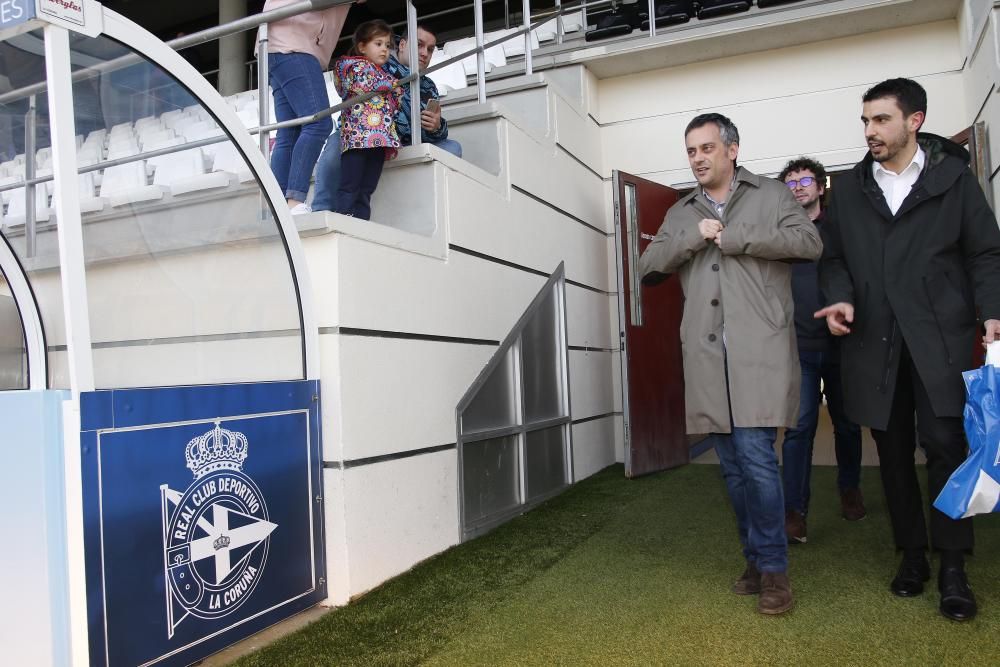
[(124, 408)]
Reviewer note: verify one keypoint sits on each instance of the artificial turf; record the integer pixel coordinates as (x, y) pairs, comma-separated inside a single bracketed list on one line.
[(623, 572)]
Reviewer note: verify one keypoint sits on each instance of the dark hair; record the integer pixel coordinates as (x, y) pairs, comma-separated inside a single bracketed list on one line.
[(910, 95), (421, 25), (727, 130), (368, 31), (801, 164)]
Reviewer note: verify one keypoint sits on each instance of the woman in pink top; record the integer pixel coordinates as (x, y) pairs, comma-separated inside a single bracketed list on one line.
[(299, 50)]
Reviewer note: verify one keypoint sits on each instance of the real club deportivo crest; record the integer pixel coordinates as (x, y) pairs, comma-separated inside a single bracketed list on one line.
[(216, 534)]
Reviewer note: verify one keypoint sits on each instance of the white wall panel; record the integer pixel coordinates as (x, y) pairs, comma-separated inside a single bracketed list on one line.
[(587, 315), (338, 552), (557, 178), (593, 446), (467, 297), (825, 124), (785, 73), (501, 230), (590, 384), (398, 514), (399, 395)]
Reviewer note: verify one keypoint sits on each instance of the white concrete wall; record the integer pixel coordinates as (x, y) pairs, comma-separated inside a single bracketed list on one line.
[(982, 78), (408, 321), (786, 102)]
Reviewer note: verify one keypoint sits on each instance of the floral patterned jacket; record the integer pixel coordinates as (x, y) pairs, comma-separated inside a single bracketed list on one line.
[(372, 123)]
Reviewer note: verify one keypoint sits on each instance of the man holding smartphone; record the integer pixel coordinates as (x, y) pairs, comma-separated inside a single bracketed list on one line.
[(434, 128)]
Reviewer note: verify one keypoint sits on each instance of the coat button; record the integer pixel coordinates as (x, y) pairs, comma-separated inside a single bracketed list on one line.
[(715, 302), (715, 267), (711, 338)]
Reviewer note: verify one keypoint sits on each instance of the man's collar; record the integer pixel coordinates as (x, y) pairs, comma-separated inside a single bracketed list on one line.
[(919, 158)]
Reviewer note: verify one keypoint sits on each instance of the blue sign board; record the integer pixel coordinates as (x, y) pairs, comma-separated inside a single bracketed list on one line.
[(203, 516), (15, 12)]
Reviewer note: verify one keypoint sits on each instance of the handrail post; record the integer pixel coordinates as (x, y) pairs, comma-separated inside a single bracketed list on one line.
[(30, 121), (652, 18), (559, 22), (416, 129), (526, 16), (583, 16), (263, 91), (263, 108), (480, 55)]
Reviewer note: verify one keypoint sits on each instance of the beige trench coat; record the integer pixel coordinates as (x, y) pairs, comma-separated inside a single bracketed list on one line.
[(738, 308)]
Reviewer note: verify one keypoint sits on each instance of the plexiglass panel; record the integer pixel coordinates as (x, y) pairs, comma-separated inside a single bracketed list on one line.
[(540, 363), (491, 477), (25, 151), (545, 461), (188, 280), (493, 405), (13, 351)]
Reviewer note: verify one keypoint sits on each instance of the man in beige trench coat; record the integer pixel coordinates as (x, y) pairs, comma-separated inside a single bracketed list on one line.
[(731, 240)]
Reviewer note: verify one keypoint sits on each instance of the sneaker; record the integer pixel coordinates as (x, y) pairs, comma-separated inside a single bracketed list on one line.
[(300, 209), (775, 593), (749, 582), (852, 504), (795, 527)]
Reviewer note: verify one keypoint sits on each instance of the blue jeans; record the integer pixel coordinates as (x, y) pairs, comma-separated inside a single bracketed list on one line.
[(750, 469), (299, 90), (328, 171), (797, 448)]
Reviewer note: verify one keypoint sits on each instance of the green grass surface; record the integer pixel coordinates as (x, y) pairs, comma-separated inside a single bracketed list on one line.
[(618, 572)]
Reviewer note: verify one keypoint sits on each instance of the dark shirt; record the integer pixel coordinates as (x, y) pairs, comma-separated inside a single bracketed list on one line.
[(811, 333)]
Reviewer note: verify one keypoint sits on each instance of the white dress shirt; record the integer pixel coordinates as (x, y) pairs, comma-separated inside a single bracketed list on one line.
[(895, 186)]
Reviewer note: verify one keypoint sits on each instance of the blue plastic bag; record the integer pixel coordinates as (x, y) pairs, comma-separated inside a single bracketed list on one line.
[(974, 487)]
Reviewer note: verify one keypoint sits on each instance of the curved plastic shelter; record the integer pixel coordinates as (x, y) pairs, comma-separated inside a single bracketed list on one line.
[(158, 356)]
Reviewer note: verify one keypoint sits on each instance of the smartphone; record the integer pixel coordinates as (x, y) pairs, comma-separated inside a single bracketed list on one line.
[(433, 105)]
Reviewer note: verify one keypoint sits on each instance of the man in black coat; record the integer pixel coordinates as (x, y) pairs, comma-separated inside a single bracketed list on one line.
[(911, 265)]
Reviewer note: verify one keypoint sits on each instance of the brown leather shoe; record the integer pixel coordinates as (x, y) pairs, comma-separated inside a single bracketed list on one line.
[(775, 593), (795, 527), (852, 504), (748, 583)]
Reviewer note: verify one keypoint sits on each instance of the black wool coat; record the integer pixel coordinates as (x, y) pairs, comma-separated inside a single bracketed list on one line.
[(926, 276)]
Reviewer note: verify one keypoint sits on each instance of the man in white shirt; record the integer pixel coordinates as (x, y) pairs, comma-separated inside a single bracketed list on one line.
[(910, 270)]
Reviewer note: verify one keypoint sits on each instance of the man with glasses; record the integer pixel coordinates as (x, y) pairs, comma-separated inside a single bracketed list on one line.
[(819, 356), (433, 127)]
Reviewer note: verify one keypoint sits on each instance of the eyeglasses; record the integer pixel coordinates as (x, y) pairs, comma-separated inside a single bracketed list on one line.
[(805, 182)]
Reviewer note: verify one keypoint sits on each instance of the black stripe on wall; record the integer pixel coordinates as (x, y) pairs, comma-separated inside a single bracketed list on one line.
[(405, 335), (356, 463), (520, 267), (560, 211)]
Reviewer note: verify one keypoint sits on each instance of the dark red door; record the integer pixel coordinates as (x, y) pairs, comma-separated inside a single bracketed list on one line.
[(649, 335)]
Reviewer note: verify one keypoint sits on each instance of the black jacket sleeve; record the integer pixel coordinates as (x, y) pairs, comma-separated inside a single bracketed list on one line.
[(834, 277), (980, 241)]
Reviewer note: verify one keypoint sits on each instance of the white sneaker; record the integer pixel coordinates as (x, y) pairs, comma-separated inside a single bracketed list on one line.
[(299, 209)]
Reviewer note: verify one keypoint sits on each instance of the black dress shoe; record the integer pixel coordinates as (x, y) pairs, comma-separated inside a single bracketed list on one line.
[(957, 601), (910, 577)]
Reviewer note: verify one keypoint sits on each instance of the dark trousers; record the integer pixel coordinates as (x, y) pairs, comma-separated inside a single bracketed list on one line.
[(943, 440), (359, 173)]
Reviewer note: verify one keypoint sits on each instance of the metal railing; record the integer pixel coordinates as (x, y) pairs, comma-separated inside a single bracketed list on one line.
[(265, 127)]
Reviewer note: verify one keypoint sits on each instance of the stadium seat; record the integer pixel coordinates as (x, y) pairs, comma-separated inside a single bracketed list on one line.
[(764, 4), (615, 23), (184, 172), (16, 207), (229, 160), (126, 184), (671, 12), (711, 8), (448, 78)]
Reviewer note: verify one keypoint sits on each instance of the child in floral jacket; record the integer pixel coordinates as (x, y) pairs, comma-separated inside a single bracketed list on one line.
[(368, 129)]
